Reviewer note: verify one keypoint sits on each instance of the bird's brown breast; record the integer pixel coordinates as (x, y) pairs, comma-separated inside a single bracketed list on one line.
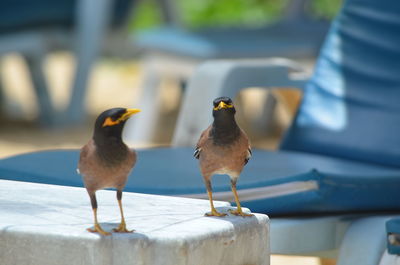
[(97, 174), (222, 159)]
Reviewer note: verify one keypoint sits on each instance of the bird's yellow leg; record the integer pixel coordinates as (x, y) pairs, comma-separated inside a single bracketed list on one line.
[(97, 227), (238, 210), (213, 210), (122, 226)]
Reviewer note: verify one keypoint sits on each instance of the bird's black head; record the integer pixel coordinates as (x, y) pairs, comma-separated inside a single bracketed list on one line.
[(223, 106), (110, 123), (224, 128)]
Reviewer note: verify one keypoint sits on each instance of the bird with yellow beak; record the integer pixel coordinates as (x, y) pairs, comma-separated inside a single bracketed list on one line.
[(106, 161), (223, 148)]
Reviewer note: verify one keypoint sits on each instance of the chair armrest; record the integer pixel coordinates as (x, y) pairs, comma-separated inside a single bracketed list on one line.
[(217, 78)]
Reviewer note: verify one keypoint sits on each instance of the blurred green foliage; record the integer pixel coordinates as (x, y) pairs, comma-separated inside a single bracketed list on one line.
[(197, 13), (326, 8), (227, 12), (146, 15)]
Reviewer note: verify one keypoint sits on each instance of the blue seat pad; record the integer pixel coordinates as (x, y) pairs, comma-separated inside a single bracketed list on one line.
[(334, 185)]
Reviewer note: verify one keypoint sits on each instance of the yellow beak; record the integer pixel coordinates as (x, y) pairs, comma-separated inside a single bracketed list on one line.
[(128, 113), (223, 105)]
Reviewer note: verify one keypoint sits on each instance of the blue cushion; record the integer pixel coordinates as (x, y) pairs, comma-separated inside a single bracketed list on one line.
[(289, 40), (351, 105), (27, 14), (272, 182)]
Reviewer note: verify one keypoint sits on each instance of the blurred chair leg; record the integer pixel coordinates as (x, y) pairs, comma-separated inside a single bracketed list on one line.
[(265, 121), (145, 128), (8, 107), (76, 109), (141, 129), (92, 27), (2, 96), (364, 242), (47, 113)]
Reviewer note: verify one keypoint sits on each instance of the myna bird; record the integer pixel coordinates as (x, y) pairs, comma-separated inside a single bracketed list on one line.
[(105, 161), (223, 148)]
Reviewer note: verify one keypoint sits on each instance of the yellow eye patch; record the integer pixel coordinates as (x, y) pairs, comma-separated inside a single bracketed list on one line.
[(110, 122)]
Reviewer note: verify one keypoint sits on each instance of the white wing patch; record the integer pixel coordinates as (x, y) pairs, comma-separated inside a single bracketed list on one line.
[(196, 153), (249, 154)]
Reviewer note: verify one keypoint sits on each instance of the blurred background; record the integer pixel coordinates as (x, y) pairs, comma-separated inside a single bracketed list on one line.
[(64, 62)]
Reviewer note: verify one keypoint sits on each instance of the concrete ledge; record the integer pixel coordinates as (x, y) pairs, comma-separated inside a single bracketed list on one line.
[(46, 224)]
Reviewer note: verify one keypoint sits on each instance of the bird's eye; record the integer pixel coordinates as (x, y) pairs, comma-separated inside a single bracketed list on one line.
[(119, 114)]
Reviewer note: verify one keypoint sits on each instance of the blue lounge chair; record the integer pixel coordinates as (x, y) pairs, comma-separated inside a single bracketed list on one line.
[(335, 181)]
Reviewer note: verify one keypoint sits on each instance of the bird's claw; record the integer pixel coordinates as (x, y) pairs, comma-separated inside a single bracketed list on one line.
[(240, 213), (98, 229), (122, 229), (215, 213)]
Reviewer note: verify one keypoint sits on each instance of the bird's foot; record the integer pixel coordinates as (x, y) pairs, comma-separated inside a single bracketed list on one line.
[(215, 213), (122, 229), (240, 213), (98, 229)]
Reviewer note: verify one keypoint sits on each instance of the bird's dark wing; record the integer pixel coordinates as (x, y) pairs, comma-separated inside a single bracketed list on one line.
[(200, 143), (249, 154)]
